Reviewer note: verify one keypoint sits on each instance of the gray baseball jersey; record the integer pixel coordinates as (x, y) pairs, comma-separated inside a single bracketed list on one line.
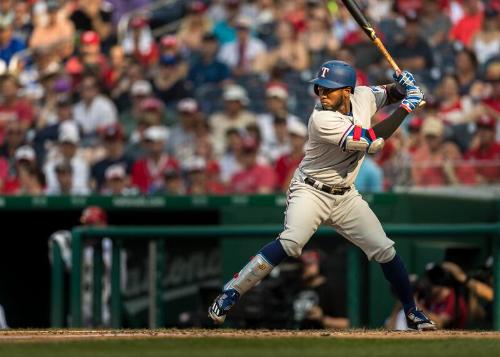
[(325, 160)]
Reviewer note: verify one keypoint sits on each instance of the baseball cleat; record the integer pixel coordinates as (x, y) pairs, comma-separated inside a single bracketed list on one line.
[(417, 320), (222, 304)]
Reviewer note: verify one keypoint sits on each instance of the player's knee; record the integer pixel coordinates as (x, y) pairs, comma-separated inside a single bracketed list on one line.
[(384, 255), (292, 249)]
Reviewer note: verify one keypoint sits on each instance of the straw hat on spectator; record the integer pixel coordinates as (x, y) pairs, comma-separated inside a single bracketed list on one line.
[(187, 105), (68, 133), (26, 153), (114, 172), (156, 133), (234, 92), (432, 126), (141, 88), (277, 91), (297, 128)]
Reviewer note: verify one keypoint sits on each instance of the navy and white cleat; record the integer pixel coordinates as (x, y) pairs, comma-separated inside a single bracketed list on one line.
[(417, 320), (222, 304)]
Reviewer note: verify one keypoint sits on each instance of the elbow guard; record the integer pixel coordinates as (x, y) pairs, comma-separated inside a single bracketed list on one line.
[(365, 140)]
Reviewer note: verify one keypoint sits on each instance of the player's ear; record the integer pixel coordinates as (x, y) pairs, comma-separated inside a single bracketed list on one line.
[(346, 92)]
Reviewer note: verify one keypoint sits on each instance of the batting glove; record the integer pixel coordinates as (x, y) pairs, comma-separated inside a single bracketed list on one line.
[(413, 97), (404, 80)]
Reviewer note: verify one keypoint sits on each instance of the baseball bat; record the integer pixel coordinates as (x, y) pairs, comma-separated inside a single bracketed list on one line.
[(362, 21)]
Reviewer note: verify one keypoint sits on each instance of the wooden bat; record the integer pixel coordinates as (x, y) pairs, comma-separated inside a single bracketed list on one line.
[(362, 21)]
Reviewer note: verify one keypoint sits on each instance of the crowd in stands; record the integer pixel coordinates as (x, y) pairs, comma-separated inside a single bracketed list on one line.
[(219, 102)]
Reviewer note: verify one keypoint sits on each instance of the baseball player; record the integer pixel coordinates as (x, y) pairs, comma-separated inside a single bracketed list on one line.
[(322, 191)]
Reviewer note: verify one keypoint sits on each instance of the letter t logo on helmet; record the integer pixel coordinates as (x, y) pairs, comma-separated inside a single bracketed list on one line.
[(324, 71)]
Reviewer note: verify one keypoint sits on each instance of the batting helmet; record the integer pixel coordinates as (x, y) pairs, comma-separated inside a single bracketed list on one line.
[(93, 215), (335, 75)]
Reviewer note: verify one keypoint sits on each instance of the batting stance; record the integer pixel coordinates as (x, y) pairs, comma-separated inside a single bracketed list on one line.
[(322, 191)]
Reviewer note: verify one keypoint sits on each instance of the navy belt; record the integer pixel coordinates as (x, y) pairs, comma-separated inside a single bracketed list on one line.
[(326, 188)]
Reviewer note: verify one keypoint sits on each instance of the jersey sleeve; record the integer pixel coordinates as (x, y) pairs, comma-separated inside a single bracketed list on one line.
[(380, 94), (331, 128)]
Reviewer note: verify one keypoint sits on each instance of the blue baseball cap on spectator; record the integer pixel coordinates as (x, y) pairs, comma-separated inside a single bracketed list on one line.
[(168, 60)]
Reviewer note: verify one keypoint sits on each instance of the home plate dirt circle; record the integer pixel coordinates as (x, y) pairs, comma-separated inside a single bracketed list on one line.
[(58, 335)]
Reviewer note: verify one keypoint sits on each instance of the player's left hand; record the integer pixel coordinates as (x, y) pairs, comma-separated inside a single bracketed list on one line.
[(405, 79)]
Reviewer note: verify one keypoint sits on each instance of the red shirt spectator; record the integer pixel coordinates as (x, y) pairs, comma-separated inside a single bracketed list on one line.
[(285, 167), (147, 173), (485, 153), (253, 177), (12, 108), (472, 21)]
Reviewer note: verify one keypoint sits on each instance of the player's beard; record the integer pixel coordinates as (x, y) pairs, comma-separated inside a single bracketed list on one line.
[(335, 106)]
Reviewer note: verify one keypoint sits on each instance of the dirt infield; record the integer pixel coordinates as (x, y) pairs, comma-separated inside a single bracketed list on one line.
[(60, 335)]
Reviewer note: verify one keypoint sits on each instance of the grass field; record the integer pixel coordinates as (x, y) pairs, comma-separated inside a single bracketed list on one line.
[(207, 343)]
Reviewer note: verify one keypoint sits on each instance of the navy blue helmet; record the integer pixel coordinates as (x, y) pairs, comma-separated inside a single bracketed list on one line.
[(335, 75)]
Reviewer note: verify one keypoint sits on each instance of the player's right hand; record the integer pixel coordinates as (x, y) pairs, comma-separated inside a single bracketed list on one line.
[(405, 79), (413, 97)]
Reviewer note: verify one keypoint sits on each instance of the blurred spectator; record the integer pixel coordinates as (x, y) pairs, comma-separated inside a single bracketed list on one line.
[(435, 24), (253, 177), (47, 136), (117, 72), (315, 306), (88, 60), (470, 23), (117, 182), (287, 163), (484, 152), (94, 15), (140, 43), (9, 45), (370, 178), (206, 68), (415, 137), (194, 26), (486, 42), (182, 143), (30, 178), (225, 28), (21, 174), (273, 123), (53, 85), (139, 91), (66, 170), (197, 178), (170, 83), (290, 54), (454, 111), (147, 172), (240, 55), (318, 39), (23, 25), (230, 162), (444, 305), (94, 110), (172, 183), (114, 145), (480, 288), (466, 70), (412, 52), (395, 158), (437, 163), (234, 116), (55, 34), (12, 106), (347, 55)]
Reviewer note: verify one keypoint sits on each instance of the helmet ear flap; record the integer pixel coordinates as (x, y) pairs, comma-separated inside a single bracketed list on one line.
[(316, 90)]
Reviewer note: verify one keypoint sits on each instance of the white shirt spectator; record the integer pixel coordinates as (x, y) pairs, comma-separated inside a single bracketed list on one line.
[(229, 53), (80, 177), (101, 112), (271, 148)]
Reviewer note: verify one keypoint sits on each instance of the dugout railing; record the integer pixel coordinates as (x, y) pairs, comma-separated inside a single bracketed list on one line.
[(156, 237)]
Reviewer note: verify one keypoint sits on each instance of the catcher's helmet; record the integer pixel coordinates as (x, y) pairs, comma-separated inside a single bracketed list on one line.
[(93, 215), (335, 75)]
